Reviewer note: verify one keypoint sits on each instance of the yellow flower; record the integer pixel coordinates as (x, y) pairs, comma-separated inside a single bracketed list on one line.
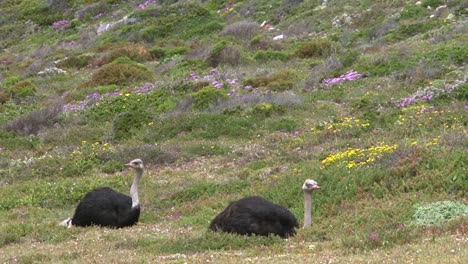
[(127, 94)]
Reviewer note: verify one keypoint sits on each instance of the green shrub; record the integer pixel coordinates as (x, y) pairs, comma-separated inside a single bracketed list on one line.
[(267, 55), (78, 62), (10, 81), (281, 81), (121, 71), (413, 12), (315, 48), (23, 89), (207, 96), (263, 110), (432, 3), (135, 52), (4, 96), (438, 213), (126, 123)]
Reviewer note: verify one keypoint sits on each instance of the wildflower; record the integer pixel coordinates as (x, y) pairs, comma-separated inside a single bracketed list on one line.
[(248, 87), (373, 236)]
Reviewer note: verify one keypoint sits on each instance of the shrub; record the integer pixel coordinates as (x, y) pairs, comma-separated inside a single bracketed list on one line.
[(315, 48), (267, 55), (121, 71), (438, 213), (78, 62), (244, 30), (281, 81), (10, 81), (23, 89), (135, 52), (207, 96), (4, 96), (33, 122), (125, 123), (413, 12), (224, 53), (263, 110)]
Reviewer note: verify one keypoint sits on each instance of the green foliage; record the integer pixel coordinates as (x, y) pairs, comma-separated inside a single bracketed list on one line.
[(40, 12), (438, 213), (23, 89), (455, 55), (126, 123), (413, 12), (79, 61), (200, 125), (315, 48), (207, 96), (134, 52), (164, 21), (280, 81), (263, 110), (10, 81), (267, 55), (146, 104), (121, 71), (432, 3)]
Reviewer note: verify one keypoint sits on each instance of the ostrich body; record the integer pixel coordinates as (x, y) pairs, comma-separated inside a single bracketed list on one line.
[(106, 207), (255, 215)]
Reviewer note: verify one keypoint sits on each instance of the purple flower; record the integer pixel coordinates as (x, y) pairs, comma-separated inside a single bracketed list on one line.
[(214, 71), (248, 87), (373, 236), (145, 4), (349, 76), (61, 24), (194, 75)]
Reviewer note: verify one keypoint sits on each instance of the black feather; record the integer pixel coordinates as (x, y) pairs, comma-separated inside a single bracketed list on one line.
[(255, 215), (106, 207)]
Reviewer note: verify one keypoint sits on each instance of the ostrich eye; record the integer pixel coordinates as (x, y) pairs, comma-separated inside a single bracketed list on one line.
[(135, 163)]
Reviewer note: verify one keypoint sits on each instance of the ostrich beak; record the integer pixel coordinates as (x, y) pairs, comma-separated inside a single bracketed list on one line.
[(130, 165)]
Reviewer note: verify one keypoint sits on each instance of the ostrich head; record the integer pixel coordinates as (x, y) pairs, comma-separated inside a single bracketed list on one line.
[(310, 185), (136, 164)]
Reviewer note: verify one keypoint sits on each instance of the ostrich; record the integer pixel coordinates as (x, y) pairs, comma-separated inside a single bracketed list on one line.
[(106, 207), (255, 215)]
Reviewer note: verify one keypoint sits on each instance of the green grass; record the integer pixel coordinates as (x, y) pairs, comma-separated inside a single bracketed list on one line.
[(393, 178)]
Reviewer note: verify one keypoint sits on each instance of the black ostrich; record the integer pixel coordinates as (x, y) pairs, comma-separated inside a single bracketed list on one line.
[(106, 207), (255, 215)]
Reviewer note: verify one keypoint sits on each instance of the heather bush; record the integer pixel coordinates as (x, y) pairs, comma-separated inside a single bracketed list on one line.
[(224, 52), (126, 123), (23, 88), (135, 52), (207, 96), (35, 121), (280, 81), (79, 61), (244, 30), (4, 96), (315, 48), (263, 110), (121, 71)]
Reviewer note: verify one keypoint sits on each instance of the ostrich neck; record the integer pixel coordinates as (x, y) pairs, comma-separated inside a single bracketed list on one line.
[(134, 188), (307, 208)]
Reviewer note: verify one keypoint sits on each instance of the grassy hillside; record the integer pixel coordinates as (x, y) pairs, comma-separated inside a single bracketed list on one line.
[(224, 99)]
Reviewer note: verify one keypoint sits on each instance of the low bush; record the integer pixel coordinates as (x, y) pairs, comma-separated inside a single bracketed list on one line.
[(23, 89), (315, 48), (121, 71), (280, 81), (207, 96), (244, 30)]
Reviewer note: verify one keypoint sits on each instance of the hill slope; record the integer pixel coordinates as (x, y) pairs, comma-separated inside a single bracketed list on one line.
[(224, 99)]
